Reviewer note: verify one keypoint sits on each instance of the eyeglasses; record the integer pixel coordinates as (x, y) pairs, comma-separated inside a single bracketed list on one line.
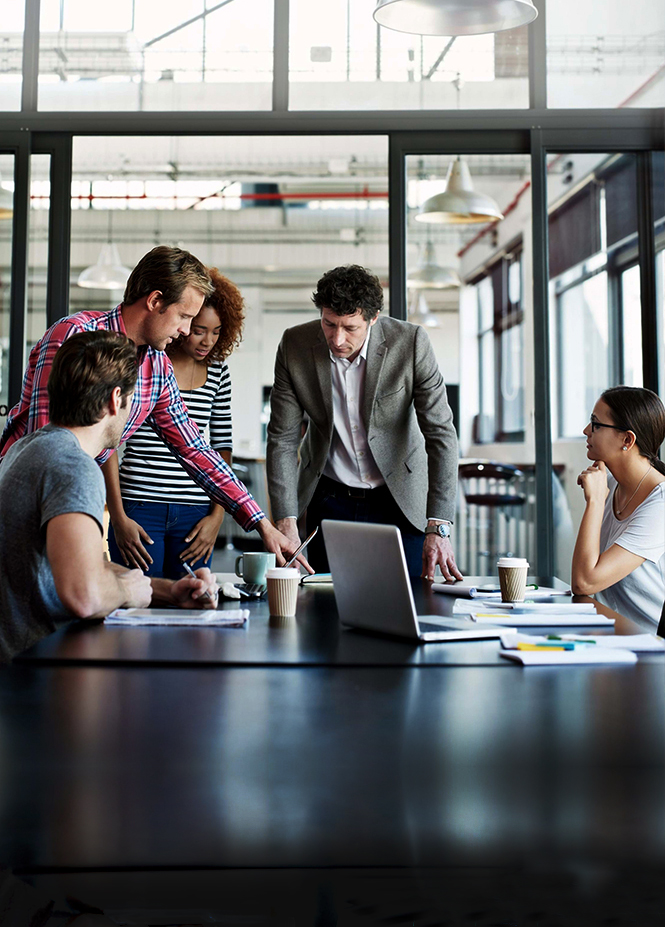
[(595, 425)]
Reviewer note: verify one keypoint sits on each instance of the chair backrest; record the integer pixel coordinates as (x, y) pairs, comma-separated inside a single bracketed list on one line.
[(661, 624)]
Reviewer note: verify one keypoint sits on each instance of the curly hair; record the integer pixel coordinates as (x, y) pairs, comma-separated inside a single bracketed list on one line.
[(226, 299), (348, 289)]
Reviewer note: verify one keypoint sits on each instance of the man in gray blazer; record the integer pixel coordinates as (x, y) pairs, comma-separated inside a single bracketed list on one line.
[(379, 445)]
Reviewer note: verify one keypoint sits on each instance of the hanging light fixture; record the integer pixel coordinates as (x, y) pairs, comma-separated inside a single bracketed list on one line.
[(420, 313), (108, 273), (454, 17), (459, 203), (430, 276)]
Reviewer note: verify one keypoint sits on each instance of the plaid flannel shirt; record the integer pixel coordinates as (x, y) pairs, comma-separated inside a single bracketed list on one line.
[(156, 400)]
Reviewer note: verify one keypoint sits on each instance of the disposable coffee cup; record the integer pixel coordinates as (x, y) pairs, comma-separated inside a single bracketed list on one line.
[(512, 578), (283, 591)]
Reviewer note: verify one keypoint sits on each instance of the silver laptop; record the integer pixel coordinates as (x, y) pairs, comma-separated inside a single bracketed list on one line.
[(373, 590)]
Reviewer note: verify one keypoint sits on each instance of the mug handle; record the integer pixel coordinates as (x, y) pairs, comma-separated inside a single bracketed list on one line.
[(239, 565)]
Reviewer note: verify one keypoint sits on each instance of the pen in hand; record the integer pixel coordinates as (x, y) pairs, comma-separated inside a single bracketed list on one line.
[(191, 572), (301, 548)]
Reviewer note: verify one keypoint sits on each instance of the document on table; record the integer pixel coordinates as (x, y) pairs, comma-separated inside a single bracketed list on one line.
[(544, 615), (179, 617), (468, 591), (582, 655), (638, 643)]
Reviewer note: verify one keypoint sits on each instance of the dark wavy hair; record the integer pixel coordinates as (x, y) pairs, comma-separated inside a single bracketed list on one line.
[(642, 412), (348, 289), (226, 299), (85, 371)]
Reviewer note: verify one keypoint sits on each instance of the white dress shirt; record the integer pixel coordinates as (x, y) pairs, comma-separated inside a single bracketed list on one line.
[(350, 460)]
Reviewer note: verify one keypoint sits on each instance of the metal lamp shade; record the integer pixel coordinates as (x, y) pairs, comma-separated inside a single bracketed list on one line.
[(454, 17), (108, 273), (420, 313), (459, 203), (429, 276)]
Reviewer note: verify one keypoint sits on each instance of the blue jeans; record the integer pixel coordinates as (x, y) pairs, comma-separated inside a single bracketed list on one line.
[(333, 500), (168, 524)]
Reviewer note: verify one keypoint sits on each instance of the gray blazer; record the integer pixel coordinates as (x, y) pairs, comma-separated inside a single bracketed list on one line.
[(405, 411)]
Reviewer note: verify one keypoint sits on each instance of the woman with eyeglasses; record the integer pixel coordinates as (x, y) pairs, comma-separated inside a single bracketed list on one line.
[(620, 551)]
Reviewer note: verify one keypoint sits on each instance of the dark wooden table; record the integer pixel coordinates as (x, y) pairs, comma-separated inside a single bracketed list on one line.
[(314, 749), (314, 638)]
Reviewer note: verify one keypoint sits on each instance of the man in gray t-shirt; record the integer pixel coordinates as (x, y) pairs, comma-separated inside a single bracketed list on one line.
[(44, 475), (52, 504)]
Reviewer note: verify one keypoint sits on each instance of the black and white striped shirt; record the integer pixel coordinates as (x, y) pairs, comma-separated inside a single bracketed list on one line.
[(151, 473)]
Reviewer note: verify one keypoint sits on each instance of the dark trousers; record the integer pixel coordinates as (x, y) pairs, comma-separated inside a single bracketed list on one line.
[(344, 503)]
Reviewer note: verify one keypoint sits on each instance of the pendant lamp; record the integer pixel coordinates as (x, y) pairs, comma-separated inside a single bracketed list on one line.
[(429, 276), (420, 313), (459, 203), (108, 273), (454, 17)]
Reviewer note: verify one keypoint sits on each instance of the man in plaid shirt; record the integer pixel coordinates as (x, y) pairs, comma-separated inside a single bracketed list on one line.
[(165, 291)]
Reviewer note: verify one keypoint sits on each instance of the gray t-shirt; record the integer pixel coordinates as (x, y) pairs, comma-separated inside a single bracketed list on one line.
[(43, 475), (639, 595)]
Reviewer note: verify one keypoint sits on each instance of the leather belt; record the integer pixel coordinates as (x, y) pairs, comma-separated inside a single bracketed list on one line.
[(351, 492)]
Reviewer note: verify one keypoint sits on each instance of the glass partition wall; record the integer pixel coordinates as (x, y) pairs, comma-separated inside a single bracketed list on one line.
[(201, 161)]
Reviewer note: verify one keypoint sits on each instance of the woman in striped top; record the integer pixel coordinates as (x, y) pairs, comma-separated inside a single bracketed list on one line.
[(155, 502)]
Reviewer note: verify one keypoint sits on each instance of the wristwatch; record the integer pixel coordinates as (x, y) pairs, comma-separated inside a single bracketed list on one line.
[(442, 529)]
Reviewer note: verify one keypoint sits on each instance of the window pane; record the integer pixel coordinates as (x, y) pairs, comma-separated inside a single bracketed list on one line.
[(340, 59), (606, 54), (6, 212), (40, 203), (631, 310), (512, 380), (269, 213), (150, 55), (11, 55), (658, 174), (584, 351)]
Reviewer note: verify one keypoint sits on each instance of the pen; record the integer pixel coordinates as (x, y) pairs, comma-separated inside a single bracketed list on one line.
[(552, 646), (192, 573), (302, 547)]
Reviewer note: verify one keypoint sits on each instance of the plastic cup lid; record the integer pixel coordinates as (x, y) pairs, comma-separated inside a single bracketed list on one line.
[(512, 562), (283, 573)]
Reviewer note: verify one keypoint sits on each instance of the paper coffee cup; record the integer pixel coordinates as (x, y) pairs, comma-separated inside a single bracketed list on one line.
[(512, 578), (283, 591)]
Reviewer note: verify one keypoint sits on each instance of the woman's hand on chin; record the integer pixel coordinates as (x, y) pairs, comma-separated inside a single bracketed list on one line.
[(593, 481)]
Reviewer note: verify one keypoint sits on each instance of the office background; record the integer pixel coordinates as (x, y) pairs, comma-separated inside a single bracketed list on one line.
[(278, 138)]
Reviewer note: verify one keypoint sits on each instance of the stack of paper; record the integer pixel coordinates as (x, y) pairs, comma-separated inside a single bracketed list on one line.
[(179, 617), (638, 643), (570, 657), (466, 590), (534, 614)]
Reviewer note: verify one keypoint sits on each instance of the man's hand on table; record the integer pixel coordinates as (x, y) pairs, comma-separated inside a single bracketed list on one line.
[(282, 541), (199, 592), (439, 550)]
